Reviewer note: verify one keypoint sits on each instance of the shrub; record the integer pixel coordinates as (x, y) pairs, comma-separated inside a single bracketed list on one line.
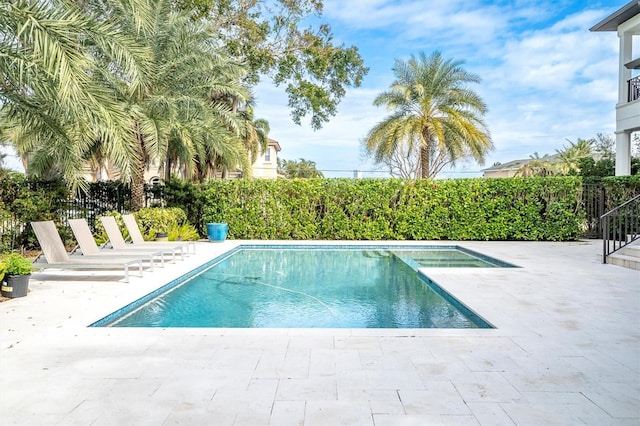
[(152, 220), (620, 189), (373, 209), (15, 264), (22, 201)]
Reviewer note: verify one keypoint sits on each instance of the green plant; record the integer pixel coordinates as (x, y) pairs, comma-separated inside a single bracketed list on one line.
[(184, 232), (152, 220), (15, 264), (100, 234), (392, 209)]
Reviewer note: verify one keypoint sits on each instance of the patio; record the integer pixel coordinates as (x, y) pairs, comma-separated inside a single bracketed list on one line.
[(566, 350)]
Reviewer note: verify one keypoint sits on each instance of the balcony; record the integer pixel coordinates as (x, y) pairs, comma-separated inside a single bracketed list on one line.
[(633, 87)]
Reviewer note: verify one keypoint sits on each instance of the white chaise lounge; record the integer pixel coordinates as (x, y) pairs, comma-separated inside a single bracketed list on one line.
[(57, 257)]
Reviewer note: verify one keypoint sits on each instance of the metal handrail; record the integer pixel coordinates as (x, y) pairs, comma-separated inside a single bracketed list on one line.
[(620, 226)]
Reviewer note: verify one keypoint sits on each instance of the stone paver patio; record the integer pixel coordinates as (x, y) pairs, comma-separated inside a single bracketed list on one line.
[(565, 351)]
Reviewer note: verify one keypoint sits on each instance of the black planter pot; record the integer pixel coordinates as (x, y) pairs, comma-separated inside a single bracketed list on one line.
[(15, 286)]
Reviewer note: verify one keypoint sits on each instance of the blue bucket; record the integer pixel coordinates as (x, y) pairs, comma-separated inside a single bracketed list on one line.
[(217, 232)]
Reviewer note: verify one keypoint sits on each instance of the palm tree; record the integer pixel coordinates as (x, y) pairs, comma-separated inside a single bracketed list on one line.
[(538, 166), (255, 133), (432, 107), (570, 156), (299, 169), (53, 108), (181, 115), (68, 101)]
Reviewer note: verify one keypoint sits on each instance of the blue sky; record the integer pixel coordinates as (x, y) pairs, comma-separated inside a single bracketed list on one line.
[(545, 77)]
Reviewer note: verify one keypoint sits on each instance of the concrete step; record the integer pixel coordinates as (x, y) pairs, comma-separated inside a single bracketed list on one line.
[(632, 250), (627, 257), (631, 262)]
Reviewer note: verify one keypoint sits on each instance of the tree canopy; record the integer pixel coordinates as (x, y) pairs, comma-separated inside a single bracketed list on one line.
[(128, 82), (298, 169), (432, 108), (272, 39)]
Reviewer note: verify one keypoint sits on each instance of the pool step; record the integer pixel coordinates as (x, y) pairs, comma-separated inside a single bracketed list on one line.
[(444, 263)]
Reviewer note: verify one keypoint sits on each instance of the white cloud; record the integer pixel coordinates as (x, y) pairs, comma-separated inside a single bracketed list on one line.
[(545, 78)]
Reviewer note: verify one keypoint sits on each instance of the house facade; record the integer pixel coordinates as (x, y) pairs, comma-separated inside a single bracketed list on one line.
[(626, 22), (513, 168), (265, 167), (503, 170)]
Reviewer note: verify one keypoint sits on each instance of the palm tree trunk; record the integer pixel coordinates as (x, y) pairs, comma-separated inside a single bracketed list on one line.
[(167, 170), (425, 154), (137, 177), (424, 162)]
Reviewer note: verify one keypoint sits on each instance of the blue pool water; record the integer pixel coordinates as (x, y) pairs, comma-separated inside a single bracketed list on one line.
[(311, 287)]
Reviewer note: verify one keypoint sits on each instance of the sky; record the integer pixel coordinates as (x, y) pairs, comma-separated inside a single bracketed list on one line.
[(546, 78)]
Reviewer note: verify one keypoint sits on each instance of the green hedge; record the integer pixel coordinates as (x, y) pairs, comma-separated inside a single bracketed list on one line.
[(620, 189), (21, 202), (387, 209)]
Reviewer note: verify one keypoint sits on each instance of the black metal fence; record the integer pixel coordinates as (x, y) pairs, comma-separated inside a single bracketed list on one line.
[(104, 197), (24, 201), (100, 199), (594, 203)]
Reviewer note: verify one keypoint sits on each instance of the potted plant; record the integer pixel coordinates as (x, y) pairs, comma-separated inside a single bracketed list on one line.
[(217, 232), (17, 271), (161, 235)]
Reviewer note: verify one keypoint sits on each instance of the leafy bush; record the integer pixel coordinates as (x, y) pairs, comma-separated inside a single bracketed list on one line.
[(620, 189), (22, 201), (187, 196), (374, 209), (152, 220), (184, 232), (15, 264)]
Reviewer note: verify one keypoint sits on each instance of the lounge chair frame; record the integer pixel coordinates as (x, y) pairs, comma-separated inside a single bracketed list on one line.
[(56, 255), (88, 246)]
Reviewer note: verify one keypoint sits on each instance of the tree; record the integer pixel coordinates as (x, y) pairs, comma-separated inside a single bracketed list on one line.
[(404, 162), (53, 106), (605, 146), (186, 114), (570, 156), (601, 168), (267, 36), (433, 109), (254, 133), (298, 169), (538, 166)]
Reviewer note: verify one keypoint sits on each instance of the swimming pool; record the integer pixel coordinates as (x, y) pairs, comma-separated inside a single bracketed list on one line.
[(309, 287)]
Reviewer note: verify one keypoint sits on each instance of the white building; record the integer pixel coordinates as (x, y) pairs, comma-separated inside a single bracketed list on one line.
[(266, 165), (626, 22)]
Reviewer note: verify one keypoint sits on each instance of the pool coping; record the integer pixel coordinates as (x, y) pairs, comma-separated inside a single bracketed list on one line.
[(548, 362)]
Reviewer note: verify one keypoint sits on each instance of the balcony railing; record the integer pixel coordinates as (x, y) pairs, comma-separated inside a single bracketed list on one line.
[(620, 226), (634, 88)]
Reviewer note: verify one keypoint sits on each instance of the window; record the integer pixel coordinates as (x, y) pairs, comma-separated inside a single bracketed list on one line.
[(267, 155)]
